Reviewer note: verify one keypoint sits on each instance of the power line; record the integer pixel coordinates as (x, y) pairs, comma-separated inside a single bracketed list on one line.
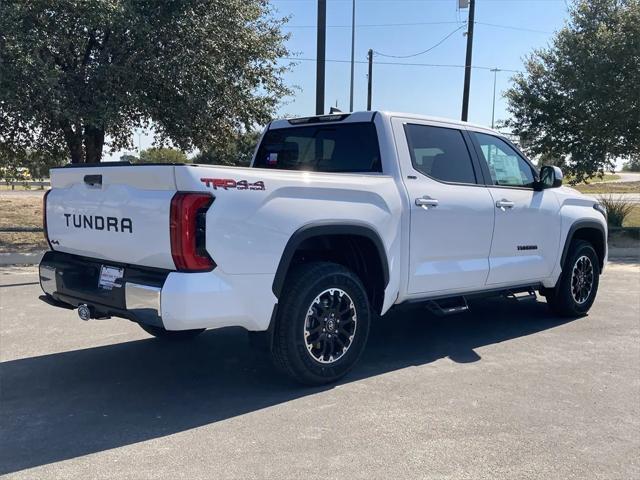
[(512, 27), (406, 64), (417, 24), (365, 25), (423, 51)]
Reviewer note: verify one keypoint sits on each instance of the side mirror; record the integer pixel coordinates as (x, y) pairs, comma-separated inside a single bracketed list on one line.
[(550, 177)]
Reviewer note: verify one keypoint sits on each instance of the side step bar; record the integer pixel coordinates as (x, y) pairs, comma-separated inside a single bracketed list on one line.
[(458, 304), (448, 306), (521, 296)]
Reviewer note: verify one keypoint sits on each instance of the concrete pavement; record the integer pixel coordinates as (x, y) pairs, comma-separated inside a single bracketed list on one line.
[(506, 391)]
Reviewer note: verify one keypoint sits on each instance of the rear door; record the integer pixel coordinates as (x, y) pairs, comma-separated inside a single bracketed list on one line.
[(451, 211), (114, 213), (526, 235)]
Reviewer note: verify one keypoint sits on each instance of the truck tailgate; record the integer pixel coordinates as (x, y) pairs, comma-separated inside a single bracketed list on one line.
[(114, 213)]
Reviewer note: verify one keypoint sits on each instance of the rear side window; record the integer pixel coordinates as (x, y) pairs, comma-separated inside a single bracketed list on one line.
[(440, 153), (349, 147)]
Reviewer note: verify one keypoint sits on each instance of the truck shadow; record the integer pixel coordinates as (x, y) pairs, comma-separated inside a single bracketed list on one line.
[(65, 405)]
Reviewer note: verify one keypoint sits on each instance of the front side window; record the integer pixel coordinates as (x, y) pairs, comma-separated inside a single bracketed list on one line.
[(348, 147), (506, 167), (440, 153)]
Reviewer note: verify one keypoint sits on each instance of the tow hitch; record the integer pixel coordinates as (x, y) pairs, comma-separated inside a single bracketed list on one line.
[(85, 312)]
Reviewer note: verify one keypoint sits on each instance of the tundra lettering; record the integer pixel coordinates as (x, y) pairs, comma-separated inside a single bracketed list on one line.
[(365, 212), (97, 222)]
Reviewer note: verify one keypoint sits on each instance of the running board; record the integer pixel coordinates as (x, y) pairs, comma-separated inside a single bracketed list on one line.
[(521, 296), (448, 306)]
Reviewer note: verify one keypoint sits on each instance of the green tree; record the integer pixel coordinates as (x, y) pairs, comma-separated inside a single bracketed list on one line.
[(162, 155), (238, 150), (633, 165), (76, 72), (580, 97), (127, 157), (39, 163)]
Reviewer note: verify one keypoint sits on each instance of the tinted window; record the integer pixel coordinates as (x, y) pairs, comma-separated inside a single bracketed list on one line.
[(440, 153), (348, 147), (505, 165)]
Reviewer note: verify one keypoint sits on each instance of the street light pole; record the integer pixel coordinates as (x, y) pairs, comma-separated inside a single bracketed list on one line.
[(493, 110), (467, 63), (353, 47), (369, 79), (320, 57)]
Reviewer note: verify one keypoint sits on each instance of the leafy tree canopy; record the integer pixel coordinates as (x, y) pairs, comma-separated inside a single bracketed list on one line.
[(579, 99), (237, 151), (73, 72), (161, 155)]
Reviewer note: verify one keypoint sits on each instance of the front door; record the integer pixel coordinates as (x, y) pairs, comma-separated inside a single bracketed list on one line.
[(451, 212), (526, 238)]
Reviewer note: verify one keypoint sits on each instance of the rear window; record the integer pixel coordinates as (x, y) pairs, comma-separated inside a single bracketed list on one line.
[(349, 147)]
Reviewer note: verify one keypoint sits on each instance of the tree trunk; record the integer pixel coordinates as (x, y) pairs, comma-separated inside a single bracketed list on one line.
[(73, 137), (93, 143)]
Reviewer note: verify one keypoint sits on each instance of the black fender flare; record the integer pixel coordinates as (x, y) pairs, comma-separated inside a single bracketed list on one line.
[(578, 225), (319, 229)]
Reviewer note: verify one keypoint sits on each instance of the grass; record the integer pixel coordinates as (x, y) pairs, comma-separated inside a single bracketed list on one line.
[(633, 219), (17, 187), (21, 211), (22, 242), (618, 187), (609, 177)]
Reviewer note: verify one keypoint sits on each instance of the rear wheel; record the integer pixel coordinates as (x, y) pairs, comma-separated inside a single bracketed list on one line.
[(577, 287), (322, 324), (173, 335)]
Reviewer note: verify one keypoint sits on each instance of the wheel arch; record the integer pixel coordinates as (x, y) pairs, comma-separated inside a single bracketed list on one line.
[(591, 231), (358, 247)]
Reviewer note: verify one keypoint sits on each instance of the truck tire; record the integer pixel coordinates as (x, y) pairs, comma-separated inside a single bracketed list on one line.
[(172, 335), (577, 286), (322, 323)]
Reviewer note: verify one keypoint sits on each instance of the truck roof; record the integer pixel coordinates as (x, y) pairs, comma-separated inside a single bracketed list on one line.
[(367, 116)]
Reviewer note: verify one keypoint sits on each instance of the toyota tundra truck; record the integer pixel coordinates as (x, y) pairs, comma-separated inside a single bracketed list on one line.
[(339, 219)]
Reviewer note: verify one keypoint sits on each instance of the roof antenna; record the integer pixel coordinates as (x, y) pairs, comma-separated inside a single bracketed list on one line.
[(333, 110)]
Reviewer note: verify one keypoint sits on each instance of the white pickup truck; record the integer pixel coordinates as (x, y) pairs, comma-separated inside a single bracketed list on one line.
[(339, 219)]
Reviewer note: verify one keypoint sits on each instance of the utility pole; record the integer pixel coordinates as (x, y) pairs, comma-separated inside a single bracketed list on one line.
[(467, 63), (353, 48), (493, 110), (320, 62), (370, 58)]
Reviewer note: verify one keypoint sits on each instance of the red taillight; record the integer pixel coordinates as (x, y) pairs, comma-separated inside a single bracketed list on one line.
[(44, 217), (187, 225)]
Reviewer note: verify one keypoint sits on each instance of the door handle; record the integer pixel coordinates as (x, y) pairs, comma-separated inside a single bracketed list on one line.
[(504, 204), (426, 202)]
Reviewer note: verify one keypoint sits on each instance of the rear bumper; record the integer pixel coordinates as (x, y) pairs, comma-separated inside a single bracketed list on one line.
[(73, 280), (168, 299)]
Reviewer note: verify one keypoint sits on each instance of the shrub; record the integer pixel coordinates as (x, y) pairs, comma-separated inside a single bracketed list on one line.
[(617, 210)]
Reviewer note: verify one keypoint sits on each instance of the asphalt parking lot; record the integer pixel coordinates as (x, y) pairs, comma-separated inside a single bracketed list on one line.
[(503, 392)]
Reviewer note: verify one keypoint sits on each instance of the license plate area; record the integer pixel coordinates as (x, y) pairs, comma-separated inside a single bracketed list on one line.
[(79, 277), (110, 277)]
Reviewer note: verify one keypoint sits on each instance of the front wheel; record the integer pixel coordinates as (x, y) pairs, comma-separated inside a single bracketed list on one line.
[(577, 286), (172, 335), (322, 324)]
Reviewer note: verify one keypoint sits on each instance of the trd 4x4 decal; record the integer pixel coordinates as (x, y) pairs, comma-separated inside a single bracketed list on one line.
[(227, 183)]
